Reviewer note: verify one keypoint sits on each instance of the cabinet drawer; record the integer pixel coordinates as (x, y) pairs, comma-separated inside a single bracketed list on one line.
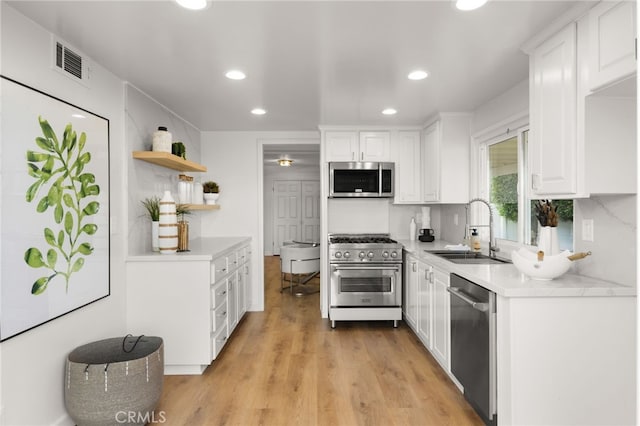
[(233, 261), (218, 341), (218, 317), (218, 294), (242, 256), (219, 268)]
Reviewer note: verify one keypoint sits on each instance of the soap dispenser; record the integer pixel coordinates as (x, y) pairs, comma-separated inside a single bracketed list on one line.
[(475, 240), (412, 229)]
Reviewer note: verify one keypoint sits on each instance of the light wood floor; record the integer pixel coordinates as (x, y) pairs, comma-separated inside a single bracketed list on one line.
[(285, 366)]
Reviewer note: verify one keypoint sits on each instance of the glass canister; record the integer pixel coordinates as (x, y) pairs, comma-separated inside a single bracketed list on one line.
[(198, 193), (185, 189)]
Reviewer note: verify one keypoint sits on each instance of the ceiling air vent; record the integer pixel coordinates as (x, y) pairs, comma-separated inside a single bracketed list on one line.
[(70, 62)]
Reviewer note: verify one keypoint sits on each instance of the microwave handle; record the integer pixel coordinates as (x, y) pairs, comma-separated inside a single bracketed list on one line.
[(380, 179)]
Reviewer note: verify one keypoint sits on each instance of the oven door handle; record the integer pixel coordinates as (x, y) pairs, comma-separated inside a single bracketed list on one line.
[(366, 268), (475, 304)]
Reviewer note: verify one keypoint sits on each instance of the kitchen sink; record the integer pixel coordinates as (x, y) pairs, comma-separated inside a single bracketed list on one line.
[(467, 257)]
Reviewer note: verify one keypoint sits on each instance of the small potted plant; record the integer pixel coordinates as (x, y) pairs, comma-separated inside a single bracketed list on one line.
[(153, 211), (211, 192)]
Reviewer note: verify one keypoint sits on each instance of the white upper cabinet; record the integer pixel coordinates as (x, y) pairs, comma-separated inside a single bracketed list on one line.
[(408, 169), (432, 166), (552, 138), (431, 163), (357, 146), (374, 146), (445, 159), (612, 39), (583, 130), (341, 146)]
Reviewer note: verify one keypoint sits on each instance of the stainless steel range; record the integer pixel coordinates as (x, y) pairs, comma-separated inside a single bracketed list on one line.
[(366, 278)]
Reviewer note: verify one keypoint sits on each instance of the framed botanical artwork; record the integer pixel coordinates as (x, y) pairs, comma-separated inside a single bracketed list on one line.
[(54, 208)]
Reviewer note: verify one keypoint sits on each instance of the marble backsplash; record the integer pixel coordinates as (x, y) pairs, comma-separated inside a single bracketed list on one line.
[(143, 115), (614, 249)]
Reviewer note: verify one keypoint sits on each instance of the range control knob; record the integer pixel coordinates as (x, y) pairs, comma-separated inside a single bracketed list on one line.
[(394, 254), (370, 255), (361, 255), (347, 255), (385, 254), (337, 255)]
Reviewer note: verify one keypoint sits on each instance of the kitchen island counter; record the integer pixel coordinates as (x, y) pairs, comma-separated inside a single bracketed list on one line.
[(505, 279)]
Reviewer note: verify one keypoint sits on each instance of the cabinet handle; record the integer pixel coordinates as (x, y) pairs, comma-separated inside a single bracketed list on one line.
[(222, 293), (413, 266), (362, 156), (535, 181), (224, 314)]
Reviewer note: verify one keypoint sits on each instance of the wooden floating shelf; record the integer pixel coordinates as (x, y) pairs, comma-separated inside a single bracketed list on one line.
[(170, 161), (203, 206)]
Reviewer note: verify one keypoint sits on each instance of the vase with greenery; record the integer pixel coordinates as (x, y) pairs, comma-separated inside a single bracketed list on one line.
[(152, 205), (211, 192)]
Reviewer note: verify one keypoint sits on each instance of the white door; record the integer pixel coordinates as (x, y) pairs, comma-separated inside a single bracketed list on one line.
[(310, 210), (296, 212), (287, 212)]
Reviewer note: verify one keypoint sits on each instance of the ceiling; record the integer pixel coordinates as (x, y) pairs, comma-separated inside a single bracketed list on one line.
[(308, 63)]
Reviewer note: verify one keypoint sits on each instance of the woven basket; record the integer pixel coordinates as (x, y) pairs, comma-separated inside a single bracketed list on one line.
[(115, 381)]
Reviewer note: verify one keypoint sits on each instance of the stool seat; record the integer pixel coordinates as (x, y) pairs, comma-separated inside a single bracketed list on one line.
[(299, 259)]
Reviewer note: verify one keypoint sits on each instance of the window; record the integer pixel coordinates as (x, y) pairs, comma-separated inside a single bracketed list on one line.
[(504, 171)]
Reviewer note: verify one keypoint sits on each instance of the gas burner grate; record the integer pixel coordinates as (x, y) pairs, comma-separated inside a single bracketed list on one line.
[(362, 240)]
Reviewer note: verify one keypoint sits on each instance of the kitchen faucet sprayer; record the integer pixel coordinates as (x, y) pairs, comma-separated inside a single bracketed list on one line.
[(493, 248)]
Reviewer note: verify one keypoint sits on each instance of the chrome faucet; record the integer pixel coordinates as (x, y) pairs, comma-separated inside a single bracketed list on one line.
[(493, 247)]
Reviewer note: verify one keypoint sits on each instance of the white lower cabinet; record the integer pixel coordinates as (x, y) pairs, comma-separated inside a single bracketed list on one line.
[(192, 302), (441, 335), (426, 307), (410, 292)]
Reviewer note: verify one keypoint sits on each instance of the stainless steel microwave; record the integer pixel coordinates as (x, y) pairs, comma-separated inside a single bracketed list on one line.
[(361, 179)]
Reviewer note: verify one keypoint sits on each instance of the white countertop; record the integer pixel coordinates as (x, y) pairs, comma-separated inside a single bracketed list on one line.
[(505, 280), (199, 249)]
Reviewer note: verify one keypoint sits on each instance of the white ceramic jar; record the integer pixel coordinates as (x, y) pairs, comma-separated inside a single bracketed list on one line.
[(162, 140), (168, 229)]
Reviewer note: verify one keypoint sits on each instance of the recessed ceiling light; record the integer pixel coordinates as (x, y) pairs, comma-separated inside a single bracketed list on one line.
[(235, 75), (258, 111), (389, 111), (469, 4), (192, 4), (417, 75)]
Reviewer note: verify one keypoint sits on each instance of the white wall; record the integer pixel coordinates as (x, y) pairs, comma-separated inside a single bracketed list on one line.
[(234, 160), (32, 364), (143, 116), (500, 108)]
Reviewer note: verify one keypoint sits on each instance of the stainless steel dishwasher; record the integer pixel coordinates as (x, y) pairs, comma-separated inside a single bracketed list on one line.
[(473, 344)]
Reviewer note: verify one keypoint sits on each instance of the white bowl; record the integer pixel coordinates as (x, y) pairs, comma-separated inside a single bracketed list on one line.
[(549, 268)]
